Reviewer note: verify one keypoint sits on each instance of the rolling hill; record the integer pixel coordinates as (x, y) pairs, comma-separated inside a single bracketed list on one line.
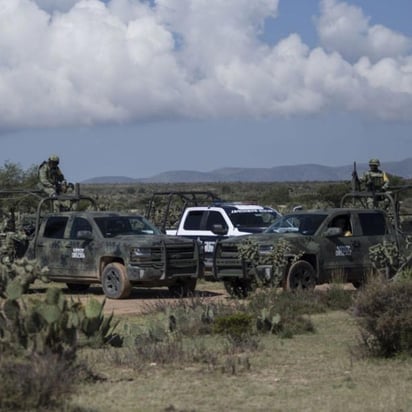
[(295, 173)]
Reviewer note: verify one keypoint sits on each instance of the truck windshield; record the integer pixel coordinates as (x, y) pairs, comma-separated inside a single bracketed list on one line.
[(253, 220), (306, 224), (112, 226)]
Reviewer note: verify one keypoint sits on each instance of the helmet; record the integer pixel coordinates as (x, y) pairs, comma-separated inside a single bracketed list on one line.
[(54, 158), (374, 162)]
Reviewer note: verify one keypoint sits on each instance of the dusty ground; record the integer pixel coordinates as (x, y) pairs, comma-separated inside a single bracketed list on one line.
[(142, 299)]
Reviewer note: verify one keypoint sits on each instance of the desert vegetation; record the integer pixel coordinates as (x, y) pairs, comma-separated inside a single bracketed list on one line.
[(60, 354), (335, 348)]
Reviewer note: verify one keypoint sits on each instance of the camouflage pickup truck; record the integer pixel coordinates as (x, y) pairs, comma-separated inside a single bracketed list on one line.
[(305, 248), (116, 250), (83, 246)]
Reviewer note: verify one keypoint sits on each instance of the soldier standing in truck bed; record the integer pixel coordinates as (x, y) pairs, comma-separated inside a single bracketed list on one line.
[(53, 184), (375, 181), (51, 179)]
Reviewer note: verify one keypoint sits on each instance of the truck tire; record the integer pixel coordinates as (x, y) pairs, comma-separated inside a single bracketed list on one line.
[(78, 287), (301, 275), (239, 288), (183, 288), (115, 283)]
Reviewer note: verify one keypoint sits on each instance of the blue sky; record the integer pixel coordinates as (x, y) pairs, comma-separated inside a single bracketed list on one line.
[(135, 88)]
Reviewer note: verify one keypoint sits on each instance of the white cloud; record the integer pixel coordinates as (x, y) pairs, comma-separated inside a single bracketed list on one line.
[(345, 29), (88, 62)]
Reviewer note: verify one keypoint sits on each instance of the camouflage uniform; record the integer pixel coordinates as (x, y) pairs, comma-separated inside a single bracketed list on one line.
[(51, 179), (375, 180), (52, 182), (12, 240)]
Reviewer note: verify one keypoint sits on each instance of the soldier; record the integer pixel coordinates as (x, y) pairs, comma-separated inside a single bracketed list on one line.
[(375, 181), (13, 241), (51, 179), (52, 183)]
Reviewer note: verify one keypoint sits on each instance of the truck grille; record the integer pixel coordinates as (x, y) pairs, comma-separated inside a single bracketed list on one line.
[(173, 252), (227, 251), (227, 262), (175, 258)]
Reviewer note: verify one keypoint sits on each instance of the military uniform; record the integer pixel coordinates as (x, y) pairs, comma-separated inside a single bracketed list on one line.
[(52, 182), (375, 180), (51, 179)]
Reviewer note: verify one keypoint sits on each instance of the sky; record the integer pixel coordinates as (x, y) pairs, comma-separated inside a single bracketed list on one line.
[(139, 87)]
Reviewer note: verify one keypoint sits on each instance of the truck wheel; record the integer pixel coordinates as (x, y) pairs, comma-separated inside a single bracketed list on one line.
[(78, 287), (301, 275), (183, 288), (238, 288), (115, 283)]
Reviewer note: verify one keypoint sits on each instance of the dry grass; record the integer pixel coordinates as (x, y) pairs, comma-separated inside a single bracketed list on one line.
[(314, 372)]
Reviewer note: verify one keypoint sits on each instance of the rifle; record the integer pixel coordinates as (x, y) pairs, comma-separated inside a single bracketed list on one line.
[(64, 187), (355, 179)]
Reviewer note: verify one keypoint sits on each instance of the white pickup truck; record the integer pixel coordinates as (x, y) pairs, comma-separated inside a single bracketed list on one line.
[(216, 220)]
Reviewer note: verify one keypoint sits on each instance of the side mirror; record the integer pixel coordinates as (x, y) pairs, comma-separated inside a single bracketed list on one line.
[(219, 230), (84, 235), (333, 232)]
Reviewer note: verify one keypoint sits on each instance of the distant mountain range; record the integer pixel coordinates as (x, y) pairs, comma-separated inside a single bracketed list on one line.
[(297, 173)]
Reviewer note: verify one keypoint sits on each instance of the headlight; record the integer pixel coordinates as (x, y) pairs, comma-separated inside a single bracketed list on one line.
[(265, 249), (137, 252)]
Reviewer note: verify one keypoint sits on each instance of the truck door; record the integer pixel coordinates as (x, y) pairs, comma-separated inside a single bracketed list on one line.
[(342, 255), (375, 230), (50, 248), (80, 248), (62, 251)]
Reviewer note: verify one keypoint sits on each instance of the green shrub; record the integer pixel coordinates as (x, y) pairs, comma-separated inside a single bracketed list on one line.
[(336, 298), (193, 316), (285, 313), (404, 275), (235, 325), (384, 314)]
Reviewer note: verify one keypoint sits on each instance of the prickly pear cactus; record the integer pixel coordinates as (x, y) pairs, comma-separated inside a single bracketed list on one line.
[(278, 257), (53, 324), (17, 275), (249, 251), (266, 321), (385, 258)]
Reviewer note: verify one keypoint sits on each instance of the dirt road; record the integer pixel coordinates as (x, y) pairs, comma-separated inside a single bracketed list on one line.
[(140, 300), (144, 300)]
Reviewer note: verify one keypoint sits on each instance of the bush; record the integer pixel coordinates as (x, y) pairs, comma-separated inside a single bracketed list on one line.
[(336, 298), (284, 313), (235, 325), (384, 314), (35, 383)]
